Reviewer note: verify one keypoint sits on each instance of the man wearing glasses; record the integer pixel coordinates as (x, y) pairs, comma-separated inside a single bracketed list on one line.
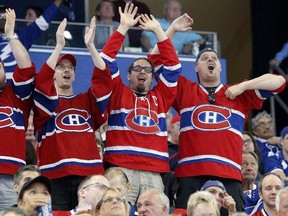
[(136, 138), (212, 120), (67, 149), (90, 192)]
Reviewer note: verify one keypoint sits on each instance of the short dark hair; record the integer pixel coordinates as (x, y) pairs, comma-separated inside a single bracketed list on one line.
[(18, 174), (37, 10), (98, 7), (141, 58)]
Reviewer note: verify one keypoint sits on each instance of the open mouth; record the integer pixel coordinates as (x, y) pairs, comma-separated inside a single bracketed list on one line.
[(211, 66), (141, 78), (66, 77)]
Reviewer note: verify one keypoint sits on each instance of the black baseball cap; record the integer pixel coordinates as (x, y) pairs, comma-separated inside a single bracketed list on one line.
[(205, 50), (40, 179)]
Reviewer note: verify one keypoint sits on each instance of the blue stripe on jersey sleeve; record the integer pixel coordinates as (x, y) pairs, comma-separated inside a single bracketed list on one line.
[(48, 102), (23, 91)]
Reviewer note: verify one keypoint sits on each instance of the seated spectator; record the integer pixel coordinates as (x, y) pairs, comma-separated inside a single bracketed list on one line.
[(27, 35), (278, 164), (133, 34), (12, 211), (171, 10), (153, 202), (249, 170), (263, 128), (224, 200), (119, 180), (269, 185), (23, 175), (202, 203), (281, 207), (35, 193), (112, 203), (249, 144), (105, 11), (89, 193)]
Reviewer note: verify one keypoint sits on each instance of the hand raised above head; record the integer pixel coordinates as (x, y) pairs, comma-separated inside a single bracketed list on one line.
[(149, 23), (60, 39), (90, 32), (127, 16), (10, 22), (182, 23)]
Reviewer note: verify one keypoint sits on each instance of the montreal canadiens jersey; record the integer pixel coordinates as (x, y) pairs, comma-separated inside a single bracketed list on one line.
[(211, 134), (14, 112), (67, 145), (136, 137), (210, 141)]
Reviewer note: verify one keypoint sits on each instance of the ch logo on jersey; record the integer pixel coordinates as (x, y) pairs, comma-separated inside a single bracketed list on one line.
[(142, 122), (73, 120), (5, 117), (210, 118)]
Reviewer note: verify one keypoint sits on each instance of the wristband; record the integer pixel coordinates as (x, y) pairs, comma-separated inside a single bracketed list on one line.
[(14, 36)]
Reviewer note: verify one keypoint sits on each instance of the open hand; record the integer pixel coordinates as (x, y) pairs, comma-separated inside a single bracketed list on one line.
[(182, 23), (60, 39), (90, 32), (127, 16), (10, 22), (149, 23)]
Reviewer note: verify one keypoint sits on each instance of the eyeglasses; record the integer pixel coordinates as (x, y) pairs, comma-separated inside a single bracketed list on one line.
[(211, 95), (97, 184), (264, 124), (110, 199), (62, 67), (138, 68), (246, 164)]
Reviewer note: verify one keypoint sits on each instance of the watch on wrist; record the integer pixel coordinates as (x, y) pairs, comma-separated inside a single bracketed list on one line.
[(14, 36)]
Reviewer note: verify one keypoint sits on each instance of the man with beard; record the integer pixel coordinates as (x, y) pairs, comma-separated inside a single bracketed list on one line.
[(136, 138)]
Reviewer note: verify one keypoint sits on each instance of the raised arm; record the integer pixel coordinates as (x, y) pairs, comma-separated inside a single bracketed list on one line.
[(267, 82), (20, 53), (151, 24), (127, 18), (89, 41), (180, 24), (60, 43)]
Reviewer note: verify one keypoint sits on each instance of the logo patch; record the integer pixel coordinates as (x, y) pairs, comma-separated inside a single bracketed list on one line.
[(5, 116), (142, 122), (73, 120), (210, 117)]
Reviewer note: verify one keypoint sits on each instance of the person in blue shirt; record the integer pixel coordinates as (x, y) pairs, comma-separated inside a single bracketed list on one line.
[(171, 10), (27, 35), (249, 171), (278, 164), (280, 56)]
